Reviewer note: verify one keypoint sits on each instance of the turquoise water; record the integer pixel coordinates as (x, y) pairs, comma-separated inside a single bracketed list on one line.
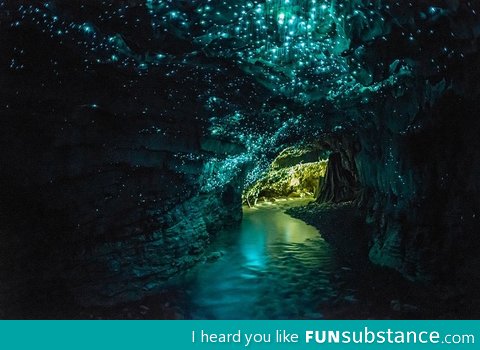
[(272, 267)]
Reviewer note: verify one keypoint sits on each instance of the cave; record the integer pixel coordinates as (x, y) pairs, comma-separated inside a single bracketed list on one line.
[(325, 149)]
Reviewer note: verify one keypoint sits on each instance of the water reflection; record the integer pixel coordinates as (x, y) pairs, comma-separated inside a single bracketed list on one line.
[(274, 266)]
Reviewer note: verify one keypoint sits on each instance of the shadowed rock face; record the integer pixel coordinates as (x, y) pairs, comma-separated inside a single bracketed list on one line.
[(110, 208), (339, 184), (130, 129)]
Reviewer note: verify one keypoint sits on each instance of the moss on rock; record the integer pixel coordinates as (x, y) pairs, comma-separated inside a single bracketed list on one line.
[(299, 180)]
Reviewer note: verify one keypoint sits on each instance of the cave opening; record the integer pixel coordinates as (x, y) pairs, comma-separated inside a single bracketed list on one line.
[(296, 172), (315, 171)]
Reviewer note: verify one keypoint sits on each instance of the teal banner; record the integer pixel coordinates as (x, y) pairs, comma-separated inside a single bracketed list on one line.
[(212, 335)]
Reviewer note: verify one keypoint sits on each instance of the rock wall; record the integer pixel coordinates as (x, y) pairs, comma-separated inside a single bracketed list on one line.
[(417, 160), (423, 207), (108, 208)]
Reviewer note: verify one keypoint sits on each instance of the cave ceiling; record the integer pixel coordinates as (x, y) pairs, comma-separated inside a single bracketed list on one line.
[(260, 73)]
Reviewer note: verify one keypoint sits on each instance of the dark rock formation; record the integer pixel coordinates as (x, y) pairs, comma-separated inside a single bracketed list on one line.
[(427, 215), (338, 184), (126, 207)]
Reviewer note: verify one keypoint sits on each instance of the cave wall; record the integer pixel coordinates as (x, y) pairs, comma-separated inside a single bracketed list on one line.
[(404, 138), (423, 192), (106, 179), (106, 207), (417, 160)]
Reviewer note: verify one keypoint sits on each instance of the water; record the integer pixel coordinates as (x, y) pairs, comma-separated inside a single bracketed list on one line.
[(273, 267)]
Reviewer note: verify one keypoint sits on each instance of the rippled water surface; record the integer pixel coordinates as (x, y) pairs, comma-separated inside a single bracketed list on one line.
[(273, 266)]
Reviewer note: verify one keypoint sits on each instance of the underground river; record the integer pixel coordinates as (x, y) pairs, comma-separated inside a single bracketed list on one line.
[(272, 266)]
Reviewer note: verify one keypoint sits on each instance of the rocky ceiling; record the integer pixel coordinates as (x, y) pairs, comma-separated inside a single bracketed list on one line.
[(255, 67), (259, 72)]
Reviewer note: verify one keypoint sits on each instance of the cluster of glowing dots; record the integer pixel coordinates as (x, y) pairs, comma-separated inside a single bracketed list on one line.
[(98, 47), (277, 33), (292, 39)]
